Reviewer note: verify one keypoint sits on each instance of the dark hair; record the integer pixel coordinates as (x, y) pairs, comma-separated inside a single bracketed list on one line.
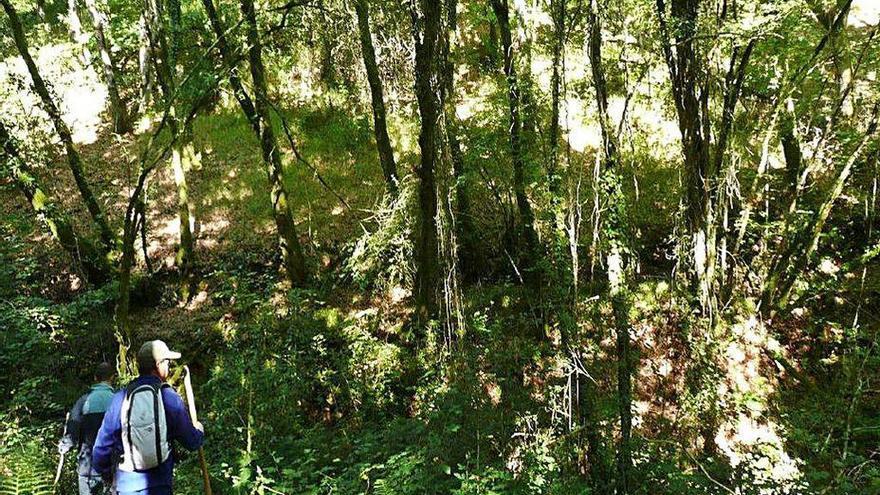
[(104, 372), (146, 367)]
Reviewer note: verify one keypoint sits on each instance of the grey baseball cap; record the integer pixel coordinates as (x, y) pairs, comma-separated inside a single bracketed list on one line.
[(154, 351)]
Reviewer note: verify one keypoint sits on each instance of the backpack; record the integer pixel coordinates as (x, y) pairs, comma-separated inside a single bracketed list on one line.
[(144, 427)]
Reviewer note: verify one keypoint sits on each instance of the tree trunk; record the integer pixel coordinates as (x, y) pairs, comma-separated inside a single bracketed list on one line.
[(77, 36), (81, 250), (794, 260), (164, 53), (241, 95), (615, 232), (121, 121), (73, 159), (427, 278), (791, 150), (557, 12), (464, 229), (526, 82), (527, 217), (288, 242), (183, 160), (126, 263), (175, 28), (145, 65), (693, 122), (383, 143)]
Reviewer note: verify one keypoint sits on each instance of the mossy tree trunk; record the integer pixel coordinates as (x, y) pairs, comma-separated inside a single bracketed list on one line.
[(229, 60), (465, 233), (615, 232), (92, 261), (383, 143), (74, 161), (557, 13), (427, 280), (288, 241), (527, 217), (165, 52)]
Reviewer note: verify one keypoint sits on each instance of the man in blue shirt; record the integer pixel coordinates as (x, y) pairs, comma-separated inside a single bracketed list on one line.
[(82, 427), (153, 360)]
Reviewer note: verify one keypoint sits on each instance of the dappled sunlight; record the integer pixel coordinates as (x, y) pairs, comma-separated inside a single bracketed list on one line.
[(752, 439), (476, 102), (467, 357), (582, 130), (212, 229), (81, 96)]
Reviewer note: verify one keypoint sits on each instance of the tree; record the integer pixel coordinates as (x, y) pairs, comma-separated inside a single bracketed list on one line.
[(145, 63), (77, 36), (288, 241), (527, 217), (383, 143), (73, 159), (426, 31), (121, 120), (465, 234), (615, 233), (691, 93), (794, 259), (229, 61), (165, 52), (557, 13), (80, 249)]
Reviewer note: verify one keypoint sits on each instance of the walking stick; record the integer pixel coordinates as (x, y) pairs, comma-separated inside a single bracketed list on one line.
[(61, 459), (191, 401)]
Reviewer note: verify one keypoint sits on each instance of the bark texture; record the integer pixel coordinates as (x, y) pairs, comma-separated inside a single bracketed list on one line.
[(288, 241), (427, 281), (383, 142), (527, 217), (614, 231)]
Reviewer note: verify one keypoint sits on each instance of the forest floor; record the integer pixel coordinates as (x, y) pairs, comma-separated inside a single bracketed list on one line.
[(322, 391)]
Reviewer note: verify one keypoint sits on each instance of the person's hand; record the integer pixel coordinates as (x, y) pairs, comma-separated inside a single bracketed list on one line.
[(198, 425), (63, 448)]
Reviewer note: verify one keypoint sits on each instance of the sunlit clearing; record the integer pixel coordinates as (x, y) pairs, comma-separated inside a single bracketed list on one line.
[(864, 13), (81, 96), (143, 124)]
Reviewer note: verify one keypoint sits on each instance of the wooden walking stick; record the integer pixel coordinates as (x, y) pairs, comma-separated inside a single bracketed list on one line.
[(61, 459), (191, 401)]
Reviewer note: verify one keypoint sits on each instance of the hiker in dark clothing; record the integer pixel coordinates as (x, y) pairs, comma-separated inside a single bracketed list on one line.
[(82, 428), (140, 425)]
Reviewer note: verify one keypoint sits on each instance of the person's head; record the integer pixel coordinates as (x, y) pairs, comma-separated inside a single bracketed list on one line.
[(154, 358), (105, 372)]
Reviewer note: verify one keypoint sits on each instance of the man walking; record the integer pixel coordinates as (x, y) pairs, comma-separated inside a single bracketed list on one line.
[(82, 427), (139, 426)]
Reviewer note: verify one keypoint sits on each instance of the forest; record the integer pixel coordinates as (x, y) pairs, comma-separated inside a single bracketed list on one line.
[(451, 246)]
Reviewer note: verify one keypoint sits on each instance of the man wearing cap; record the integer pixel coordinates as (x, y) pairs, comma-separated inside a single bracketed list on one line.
[(83, 423), (153, 361)]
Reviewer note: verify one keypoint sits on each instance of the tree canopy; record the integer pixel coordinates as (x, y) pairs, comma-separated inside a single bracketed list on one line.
[(452, 246)]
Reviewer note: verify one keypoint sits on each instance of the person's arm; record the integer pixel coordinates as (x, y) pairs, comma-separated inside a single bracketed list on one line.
[(103, 453), (74, 420), (180, 425)]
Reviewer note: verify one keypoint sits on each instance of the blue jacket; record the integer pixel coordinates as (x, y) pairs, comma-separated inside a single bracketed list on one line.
[(83, 423), (108, 446)]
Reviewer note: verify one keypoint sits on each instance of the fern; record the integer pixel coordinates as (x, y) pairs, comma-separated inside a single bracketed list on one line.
[(24, 472)]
